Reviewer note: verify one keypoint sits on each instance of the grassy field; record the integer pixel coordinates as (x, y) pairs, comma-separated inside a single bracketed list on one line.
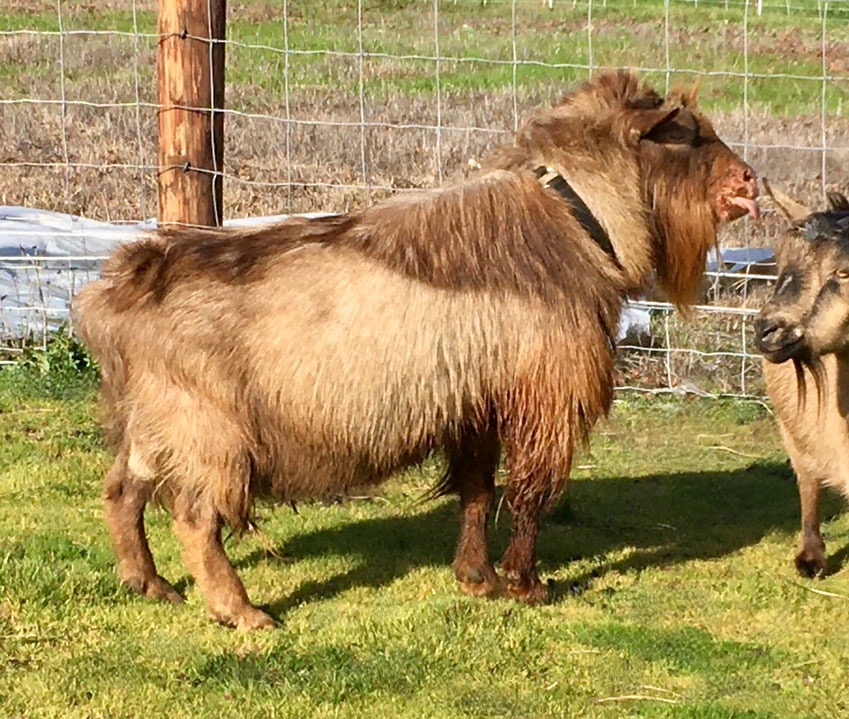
[(674, 594)]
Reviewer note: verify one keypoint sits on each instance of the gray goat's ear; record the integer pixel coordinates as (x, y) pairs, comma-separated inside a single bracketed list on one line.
[(837, 201), (791, 210)]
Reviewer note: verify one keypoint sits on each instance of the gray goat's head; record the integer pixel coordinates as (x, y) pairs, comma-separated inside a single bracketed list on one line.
[(808, 313)]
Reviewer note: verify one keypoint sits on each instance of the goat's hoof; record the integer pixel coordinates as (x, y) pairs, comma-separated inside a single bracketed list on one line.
[(255, 619), (245, 619), (811, 565), (526, 590), (163, 591), (478, 581), (154, 587)]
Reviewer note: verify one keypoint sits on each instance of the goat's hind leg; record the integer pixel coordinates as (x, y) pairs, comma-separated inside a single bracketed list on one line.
[(198, 527), (471, 473), (125, 498)]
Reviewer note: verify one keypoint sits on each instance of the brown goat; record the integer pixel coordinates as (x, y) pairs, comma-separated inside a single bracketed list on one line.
[(807, 320), (314, 355)]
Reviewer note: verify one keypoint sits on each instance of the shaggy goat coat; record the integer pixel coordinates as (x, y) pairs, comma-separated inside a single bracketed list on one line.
[(313, 355)]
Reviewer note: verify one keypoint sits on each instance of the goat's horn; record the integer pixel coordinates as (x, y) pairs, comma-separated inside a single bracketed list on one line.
[(787, 206)]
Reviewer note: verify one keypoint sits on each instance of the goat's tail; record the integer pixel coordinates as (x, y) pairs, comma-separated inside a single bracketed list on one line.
[(129, 277), (133, 273)]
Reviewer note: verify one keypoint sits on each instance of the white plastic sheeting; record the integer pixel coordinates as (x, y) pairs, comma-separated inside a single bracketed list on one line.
[(45, 257)]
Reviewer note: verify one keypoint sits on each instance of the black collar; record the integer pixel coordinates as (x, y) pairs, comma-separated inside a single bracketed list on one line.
[(579, 208)]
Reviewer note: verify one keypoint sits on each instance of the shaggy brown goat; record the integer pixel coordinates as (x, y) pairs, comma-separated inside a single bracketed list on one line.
[(314, 355), (807, 320)]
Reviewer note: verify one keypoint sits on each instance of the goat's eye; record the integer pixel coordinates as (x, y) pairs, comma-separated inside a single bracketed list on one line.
[(842, 274)]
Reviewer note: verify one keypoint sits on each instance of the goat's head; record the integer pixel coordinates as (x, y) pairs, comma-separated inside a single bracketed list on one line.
[(808, 313)]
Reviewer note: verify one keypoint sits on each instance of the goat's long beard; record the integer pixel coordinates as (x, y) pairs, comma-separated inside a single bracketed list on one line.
[(685, 230), (812, 364)]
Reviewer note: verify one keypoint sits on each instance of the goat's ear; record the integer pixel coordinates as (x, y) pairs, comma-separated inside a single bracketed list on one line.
[(643, 122), (791, 210)]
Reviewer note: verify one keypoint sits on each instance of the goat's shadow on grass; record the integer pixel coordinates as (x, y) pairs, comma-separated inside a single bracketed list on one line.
[(664, 519)]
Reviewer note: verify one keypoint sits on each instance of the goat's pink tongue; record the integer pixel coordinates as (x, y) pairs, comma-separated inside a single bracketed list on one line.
[(750, 206)]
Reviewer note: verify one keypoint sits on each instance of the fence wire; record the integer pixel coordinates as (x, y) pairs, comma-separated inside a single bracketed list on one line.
[(331, 105)]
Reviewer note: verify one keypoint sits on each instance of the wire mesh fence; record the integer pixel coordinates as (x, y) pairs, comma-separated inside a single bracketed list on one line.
[(334, 104)]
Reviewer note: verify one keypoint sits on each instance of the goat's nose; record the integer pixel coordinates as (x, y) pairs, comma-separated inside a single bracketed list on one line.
[(775, 337), (765, 328), (750, 178)]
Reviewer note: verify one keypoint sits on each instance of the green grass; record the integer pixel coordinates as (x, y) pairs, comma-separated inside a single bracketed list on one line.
[(670, 557), (477, 44)]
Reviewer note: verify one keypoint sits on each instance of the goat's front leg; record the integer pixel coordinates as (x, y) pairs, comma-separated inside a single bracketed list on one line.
[(519, 563), (810, 559), (471, 473)]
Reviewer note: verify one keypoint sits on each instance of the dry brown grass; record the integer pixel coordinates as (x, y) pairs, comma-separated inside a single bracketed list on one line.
[(258, 165)]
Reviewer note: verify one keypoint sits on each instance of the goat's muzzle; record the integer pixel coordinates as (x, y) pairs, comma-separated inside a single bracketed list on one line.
[(741, 195), (778, 340)]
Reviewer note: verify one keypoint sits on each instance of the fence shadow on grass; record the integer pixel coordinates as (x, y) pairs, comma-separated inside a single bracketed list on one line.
[(665, 519)]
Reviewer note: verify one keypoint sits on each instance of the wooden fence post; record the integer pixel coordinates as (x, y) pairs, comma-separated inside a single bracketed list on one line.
[(191, 124)]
